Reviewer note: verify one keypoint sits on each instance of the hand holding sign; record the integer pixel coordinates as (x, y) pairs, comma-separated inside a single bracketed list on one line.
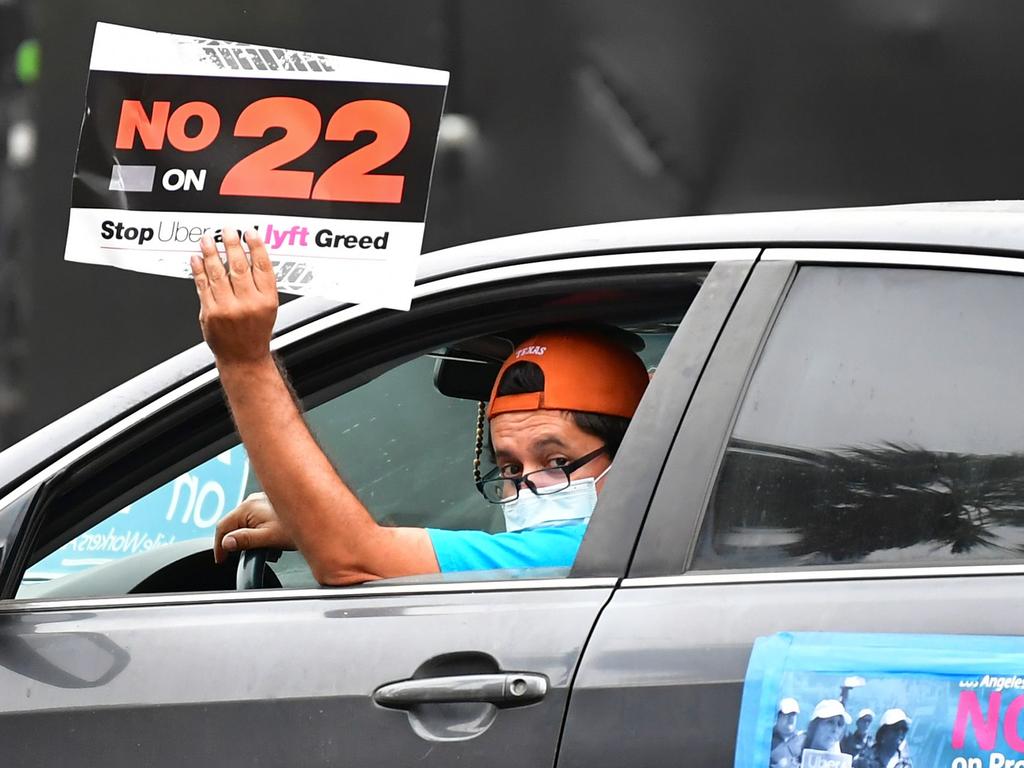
[(238, 305)]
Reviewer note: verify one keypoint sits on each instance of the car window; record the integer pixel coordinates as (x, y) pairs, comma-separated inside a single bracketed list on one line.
[(406, 449), (883, 424)]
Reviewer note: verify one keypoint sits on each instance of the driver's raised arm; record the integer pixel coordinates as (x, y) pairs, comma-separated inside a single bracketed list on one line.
[(558, 410), (317, 512)]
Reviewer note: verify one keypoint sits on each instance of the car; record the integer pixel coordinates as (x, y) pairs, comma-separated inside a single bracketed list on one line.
[(831, 441)]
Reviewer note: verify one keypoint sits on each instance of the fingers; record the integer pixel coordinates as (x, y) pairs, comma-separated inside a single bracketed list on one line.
[(249, 538), (238, 264), (262, 270), (216, 277), (232, 521), (199, 276), (237, 317), (251, 525), (243, 273)]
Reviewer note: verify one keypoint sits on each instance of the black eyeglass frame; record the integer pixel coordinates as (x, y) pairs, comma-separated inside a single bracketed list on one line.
[(495, 476)]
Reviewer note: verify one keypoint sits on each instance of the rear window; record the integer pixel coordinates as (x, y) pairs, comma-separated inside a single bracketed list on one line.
[(883, 424)]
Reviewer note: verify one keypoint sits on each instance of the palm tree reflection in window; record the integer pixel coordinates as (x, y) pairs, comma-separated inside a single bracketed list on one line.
[(776, 505)]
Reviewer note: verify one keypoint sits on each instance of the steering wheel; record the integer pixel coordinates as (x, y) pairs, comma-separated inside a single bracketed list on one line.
[(252, 568)]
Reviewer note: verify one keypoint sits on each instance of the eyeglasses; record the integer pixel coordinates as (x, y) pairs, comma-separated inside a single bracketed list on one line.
[(497, 489)]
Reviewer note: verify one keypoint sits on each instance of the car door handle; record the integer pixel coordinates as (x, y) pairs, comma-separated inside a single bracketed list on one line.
[(504, 689)]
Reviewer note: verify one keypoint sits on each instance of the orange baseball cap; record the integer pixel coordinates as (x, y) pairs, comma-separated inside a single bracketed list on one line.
[(583, 371)]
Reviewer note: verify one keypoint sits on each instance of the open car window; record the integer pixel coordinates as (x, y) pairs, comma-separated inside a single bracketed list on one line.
[(401, 433)]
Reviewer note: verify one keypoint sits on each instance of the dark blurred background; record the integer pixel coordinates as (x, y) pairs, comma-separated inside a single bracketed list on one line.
[(559, 113)]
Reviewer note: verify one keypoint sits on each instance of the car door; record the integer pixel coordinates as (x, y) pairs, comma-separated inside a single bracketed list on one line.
[(850, 461), (439, 671)]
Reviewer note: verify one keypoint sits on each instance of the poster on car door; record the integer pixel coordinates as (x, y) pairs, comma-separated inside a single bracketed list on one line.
[(824, 700), (328, 158), (186, 508)]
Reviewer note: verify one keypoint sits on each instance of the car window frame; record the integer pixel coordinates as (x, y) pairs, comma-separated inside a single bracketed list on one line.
[(667, 544), (612, 538), (200, 395)]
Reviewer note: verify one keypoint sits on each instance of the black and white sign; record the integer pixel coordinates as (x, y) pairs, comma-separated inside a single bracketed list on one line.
[(328, 158)]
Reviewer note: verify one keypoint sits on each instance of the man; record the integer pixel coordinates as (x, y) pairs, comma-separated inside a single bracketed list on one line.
[(856, 742), (557, 412), (785, 721)]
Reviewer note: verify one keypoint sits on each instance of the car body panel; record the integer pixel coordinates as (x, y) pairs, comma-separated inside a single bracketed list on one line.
[(168, 683), (669, 656)]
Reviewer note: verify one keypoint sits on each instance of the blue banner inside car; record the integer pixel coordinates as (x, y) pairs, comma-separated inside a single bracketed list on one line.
[(836, 700), (188, 507)]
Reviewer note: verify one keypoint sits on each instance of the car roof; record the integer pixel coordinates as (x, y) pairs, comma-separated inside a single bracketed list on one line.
[(974, 227), (994, 227)]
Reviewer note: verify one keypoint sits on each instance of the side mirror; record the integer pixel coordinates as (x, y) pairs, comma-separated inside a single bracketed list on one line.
[(13, 520)]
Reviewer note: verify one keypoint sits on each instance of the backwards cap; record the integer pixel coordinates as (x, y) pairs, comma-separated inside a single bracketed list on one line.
[(583, 371)]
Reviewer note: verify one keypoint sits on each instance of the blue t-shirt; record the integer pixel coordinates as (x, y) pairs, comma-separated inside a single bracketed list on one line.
[(552, 546)]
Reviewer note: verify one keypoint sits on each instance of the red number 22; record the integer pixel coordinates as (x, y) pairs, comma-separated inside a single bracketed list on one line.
[(348, 180)]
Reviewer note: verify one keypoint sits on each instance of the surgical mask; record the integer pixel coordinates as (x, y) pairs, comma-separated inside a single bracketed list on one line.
[(570, 506)]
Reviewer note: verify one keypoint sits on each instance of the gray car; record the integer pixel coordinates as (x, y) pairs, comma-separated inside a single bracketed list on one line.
[(833, 439)]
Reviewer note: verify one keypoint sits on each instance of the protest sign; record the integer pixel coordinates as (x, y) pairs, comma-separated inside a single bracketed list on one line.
[(328, 158), (897, 701)]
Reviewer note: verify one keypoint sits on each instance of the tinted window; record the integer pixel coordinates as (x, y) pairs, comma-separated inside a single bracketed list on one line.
[(884, 423)]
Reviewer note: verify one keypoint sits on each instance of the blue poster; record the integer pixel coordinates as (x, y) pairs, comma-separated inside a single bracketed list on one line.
[(186, 508), (825, 700)]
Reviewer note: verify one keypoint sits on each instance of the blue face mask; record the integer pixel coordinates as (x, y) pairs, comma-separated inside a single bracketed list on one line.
[(569, 506)]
